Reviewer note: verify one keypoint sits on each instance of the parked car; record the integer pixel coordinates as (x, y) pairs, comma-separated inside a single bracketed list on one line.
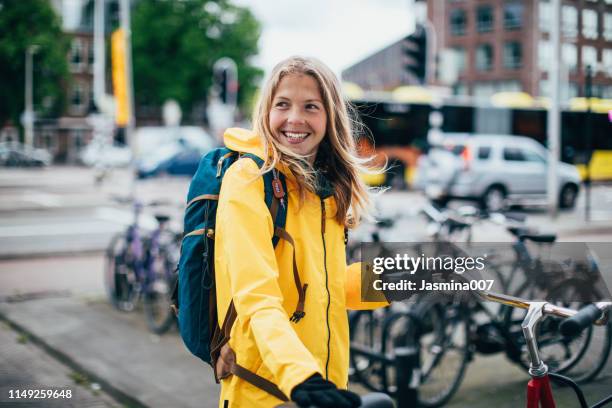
[(496, 170), (171, 151), (14, 154), (106, 155)]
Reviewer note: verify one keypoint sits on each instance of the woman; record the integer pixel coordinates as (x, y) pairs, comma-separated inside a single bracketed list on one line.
[(296, 339)]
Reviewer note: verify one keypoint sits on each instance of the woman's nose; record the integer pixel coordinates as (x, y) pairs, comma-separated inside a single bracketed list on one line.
[(295, 117)]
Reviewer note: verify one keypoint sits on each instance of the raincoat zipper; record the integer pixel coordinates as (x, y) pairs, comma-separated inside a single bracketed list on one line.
[(326, 287)]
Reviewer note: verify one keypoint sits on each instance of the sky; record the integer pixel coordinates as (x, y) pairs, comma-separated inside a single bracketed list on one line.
[(338, 32)]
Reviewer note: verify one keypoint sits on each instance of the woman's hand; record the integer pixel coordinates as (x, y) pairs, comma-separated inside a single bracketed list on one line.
[(224, 362)]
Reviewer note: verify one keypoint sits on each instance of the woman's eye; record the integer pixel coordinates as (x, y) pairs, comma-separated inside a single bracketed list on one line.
[(281, 104), (311, 106)]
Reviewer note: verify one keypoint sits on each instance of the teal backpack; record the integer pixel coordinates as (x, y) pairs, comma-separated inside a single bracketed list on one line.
[(194, 296)]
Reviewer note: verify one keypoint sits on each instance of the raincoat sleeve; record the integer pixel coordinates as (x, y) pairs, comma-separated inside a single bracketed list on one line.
[(246, 224), (353, 284)]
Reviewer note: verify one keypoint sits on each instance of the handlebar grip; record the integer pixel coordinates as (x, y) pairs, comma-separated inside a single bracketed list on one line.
[(585, 317)]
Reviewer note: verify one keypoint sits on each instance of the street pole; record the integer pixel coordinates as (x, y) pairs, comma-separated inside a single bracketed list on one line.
[(588, 92), (99, 54), (28, 117), (126, 27), (129, 128), (554, 115)]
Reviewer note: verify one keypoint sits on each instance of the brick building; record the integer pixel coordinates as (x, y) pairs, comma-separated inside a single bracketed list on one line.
[(503, 45)]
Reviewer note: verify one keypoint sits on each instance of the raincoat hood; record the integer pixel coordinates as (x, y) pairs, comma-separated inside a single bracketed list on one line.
[(244, 141)]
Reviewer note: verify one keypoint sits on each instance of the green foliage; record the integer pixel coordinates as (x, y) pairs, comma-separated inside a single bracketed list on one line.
[(175, 44), (23, 23)]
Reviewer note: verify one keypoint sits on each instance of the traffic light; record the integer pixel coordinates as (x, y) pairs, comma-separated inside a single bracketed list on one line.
[(222, 85), (415, 48), (225, 85)]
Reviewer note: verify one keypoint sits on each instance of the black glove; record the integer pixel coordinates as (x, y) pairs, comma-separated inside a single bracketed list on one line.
[(316, 391)]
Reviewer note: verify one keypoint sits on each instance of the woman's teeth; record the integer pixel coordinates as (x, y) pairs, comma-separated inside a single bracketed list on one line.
[(295, 136)]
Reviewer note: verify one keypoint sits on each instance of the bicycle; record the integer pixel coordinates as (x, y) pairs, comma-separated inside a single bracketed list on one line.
[(140, 267), (539, 391), (450, 331)]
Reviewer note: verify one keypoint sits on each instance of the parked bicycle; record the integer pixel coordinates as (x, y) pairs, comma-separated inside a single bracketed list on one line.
[(140, 265), (539, 391), (451, 330)]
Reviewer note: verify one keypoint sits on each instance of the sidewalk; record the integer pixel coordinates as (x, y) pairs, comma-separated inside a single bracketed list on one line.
[(115, 351), (26, 367), (138, 369)]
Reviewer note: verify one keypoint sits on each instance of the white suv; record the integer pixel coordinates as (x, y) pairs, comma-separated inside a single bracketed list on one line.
[(496, 170)]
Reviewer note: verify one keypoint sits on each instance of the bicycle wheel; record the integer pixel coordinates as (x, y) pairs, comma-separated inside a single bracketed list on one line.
[(365, 331), (119, 274), (156, 300), (445, 349)]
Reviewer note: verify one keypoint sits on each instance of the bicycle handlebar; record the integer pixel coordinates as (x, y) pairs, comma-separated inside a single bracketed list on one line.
[(551, 309), (580, 321)]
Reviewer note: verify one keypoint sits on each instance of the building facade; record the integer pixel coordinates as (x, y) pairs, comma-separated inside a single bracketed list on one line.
[(504, 45), (491, 46)]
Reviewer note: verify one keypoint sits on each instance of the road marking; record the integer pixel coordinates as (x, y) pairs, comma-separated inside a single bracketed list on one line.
[(43, 199), (79, 228)]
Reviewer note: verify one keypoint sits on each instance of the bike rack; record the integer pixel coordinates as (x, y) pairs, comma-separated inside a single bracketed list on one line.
[(407, 367)]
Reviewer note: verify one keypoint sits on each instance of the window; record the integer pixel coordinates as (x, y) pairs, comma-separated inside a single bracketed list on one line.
[(76, 97), (532, 156), (569, 18), (569, 56), (512, 55), (606, 60), (589, 23), (484, 19), (544, 55), (460, 88), (76, 49), (460, 59), (513, 16), (607, 32), (513, 154), (544, 88), (484, 57), (484, 152), (544, 12), (458, 21), (589, 56), (90, 55)]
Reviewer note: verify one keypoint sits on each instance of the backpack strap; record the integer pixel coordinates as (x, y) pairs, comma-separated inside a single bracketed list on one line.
[(275, 187)]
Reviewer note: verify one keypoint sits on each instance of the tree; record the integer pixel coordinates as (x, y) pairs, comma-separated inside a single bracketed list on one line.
[(176, 43), (24, 23)]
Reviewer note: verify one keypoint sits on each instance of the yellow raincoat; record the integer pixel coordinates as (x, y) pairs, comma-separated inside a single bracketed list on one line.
[(259, 279)]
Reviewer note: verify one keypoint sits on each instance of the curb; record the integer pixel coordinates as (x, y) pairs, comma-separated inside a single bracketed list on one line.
[(50, 255), (121, 397)]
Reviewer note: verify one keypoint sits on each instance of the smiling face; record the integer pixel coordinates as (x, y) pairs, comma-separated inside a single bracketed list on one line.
[(298, 118)]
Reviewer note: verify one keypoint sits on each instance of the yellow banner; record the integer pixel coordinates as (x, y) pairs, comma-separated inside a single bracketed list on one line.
[(120, 89)]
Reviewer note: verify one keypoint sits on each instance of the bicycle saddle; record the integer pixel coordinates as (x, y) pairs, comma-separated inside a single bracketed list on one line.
[(161, 218), (540, 238), (519, 231)]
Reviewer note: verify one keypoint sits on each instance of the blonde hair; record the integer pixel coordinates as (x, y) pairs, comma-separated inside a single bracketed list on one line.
[(338, 146)]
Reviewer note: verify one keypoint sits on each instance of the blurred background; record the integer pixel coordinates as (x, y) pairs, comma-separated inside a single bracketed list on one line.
[(106, 106)]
